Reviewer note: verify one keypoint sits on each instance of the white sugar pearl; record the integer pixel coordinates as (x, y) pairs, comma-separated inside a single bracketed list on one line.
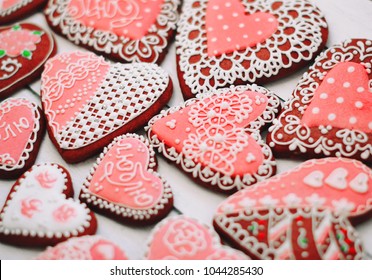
[(359, 104), (340, 100), (330, 80), (332, 117), (351, 69), (353, 120), (316, 110), (346, 85), (324, 96), (360, 89)]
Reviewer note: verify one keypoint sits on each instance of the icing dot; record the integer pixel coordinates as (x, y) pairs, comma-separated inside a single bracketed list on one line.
[(346, 85), (280, 136), (353, 120), (220, 17), (228, 39), (241, 25), (177, 141), (271, 20), (257, 19), (148, 10), (351, 69), (245, 36), (259, 32), (332, 117), (214, 39), (235, 14), (228, 4), (188, 129), (324, 96), (360, 89), (359, 104), (225, 27), (340, 100), (330, 80), (316, 110), (215, 7)]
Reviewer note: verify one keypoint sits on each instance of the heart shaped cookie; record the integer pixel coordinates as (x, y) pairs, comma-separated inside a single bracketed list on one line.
[(40, 211), (127, 31), (13, 10), (216, 137), (88, 101), (84, 248), (24, 49), (302, 213), (123, 183), (221, 43), (330, 110), (183, 238), (21, 130)]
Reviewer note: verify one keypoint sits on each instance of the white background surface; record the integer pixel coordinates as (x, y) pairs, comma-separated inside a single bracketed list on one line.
[(346, 18)]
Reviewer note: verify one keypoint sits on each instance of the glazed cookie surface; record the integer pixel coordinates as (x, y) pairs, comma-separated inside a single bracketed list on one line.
[(127, 31), (13, 10), (221, 43), (40, 210), (329, 113), (88, 101), (124, 185), (24, 49), (301, 214), (215, 138)]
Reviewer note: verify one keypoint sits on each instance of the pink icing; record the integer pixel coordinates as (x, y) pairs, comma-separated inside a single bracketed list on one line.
[(8, 4), (64, 213), (17, 121), (14, 42), (30, 206), (183, 238), (210, 132), (131, 18), (122, 176), (69, 82), (343, 100), (230, 28), (46, 180), (339, 184)]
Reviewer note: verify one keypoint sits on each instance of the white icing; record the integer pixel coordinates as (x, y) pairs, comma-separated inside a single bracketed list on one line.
[(360, 183), (343, 206), (10, 10), (337, 179), (314, 179)]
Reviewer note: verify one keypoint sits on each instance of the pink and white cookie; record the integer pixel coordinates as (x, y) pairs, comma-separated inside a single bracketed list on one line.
[(40, 210), (329, 113), (13, 10), (21, 130), (88, 101), (221, 43), (184, 238), (84, 248), (301, 214), (123, 183), (215, 138), (24, 49), (126, 31)]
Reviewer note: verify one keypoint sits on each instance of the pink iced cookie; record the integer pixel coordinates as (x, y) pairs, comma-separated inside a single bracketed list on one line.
[(123, 183), (21, 130), (330, 111), (88, 101), (14, 10), (302, 213), (128, 31), (216, 137), (40, 211), (84, 248), (183, 238)]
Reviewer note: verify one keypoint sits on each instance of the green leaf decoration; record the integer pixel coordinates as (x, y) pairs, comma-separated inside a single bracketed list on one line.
[(2, 53), (27, 54), (16, 27), (38, 32)]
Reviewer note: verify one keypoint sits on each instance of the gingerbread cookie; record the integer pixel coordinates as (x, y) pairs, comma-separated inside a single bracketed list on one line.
[(330, 110), (123, 183), (221, 43), (40, 211), (127, 31), (184, 238), (215, 138), (88, 101), (13, 10), (301, 214), (84, 248), (24, 49), (21, 130)]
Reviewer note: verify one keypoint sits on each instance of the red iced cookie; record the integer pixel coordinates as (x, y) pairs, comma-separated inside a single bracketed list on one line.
[(84, 248), (88, 101), (21, 130), (12, 10), (216, 137), (128, 31), (123, 183), (183, 238), (40, 211), (24, 49), (221, 43), (330, 111), (302, 213)]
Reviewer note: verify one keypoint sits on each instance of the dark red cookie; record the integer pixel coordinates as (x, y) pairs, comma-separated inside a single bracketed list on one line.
[(13, 10)]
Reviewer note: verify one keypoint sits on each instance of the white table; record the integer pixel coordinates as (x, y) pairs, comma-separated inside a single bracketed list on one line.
[(346, 18)]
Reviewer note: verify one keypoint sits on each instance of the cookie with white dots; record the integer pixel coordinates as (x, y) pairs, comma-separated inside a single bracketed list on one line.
[(40, 210), (221, 43), (126, 31), (88, 101), (215, 137), (13, 10), (303, 213), (124, 185), (329, 113)]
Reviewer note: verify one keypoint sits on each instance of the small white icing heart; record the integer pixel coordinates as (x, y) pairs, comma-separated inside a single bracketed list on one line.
[(360, 183), (314, 179), (337, 179)]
